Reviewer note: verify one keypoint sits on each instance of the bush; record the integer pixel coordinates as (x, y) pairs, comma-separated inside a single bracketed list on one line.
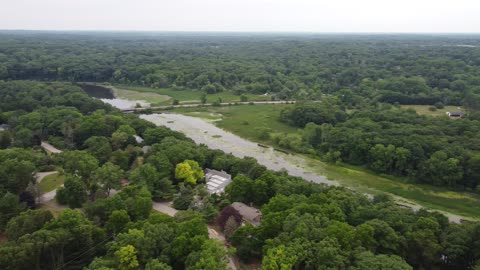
[(439, 105), (432, 109)]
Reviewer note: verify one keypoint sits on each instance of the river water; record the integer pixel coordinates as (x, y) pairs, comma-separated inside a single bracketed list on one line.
[(205, 132), (107, 95)]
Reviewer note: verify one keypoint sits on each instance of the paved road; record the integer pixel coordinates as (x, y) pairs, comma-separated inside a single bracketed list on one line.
[(165, 207), (50, 148), (192, 105)]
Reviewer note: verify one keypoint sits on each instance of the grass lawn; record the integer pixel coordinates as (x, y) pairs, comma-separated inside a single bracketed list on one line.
[(51, 182), (244, 121), (183, 96), (458, 203), (423, 109)]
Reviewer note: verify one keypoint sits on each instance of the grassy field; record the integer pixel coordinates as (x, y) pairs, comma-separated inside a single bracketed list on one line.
[(183, 96), (152, 98), (424, 109), (246, 120), (51, 182), (458, 203)]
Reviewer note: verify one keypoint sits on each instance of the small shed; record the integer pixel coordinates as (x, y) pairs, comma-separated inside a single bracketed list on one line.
[(249, 214), (456, 114)]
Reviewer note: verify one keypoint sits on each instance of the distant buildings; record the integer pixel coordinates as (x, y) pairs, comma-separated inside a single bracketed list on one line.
[(456, 114), (249, 214), (216, 181)]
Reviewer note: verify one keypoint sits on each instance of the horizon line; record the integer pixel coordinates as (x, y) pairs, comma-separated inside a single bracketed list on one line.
[(239, 31)]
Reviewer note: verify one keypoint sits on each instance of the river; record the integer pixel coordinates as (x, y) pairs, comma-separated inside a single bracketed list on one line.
[(205, 132), (107, 95)]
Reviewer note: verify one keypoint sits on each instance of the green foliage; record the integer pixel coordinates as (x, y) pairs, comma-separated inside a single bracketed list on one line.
[(189, 172), (99, 147), (26, 223), (279, 258), (127, 257), (73, 193), (108, 177)]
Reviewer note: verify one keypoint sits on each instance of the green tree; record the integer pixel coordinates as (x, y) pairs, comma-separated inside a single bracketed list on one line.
[(108, 177), (189, 172), (27, 222), (160, 187), (79, 163), (240, 189), (127, 258), (117, 220), (10, 207), (99, 147), (157, 265), (279, 258), (73, 193), (369, 261)]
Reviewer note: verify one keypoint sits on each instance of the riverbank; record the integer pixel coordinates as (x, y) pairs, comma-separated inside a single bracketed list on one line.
[(456, 205)]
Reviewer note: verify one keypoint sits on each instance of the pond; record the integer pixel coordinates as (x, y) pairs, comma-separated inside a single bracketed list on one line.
[(107, 95), (204, 132)]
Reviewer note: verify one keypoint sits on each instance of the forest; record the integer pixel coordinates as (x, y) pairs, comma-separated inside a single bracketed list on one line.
[(102, 218), (432, 150), (408, 69)]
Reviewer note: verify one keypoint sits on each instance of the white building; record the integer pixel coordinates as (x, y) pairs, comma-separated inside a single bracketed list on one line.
[(216, 180)]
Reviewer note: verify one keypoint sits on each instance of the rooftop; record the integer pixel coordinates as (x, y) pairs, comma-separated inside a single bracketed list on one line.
[(217, 180), (250, 214)]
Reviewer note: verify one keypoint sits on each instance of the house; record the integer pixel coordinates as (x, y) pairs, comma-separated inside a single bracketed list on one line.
[(456, 114), (249, 214), (4, 127), (138, 139), (216, 180)]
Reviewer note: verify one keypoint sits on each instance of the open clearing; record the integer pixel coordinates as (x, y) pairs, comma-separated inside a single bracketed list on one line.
[(51, 182), (183, 96), (424, 109), (247, 121)]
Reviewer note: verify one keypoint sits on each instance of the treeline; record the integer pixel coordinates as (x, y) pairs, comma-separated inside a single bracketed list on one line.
[(432, 150), (404, 69)]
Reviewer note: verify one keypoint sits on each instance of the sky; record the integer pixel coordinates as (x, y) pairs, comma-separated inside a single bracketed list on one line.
[(370, 16)]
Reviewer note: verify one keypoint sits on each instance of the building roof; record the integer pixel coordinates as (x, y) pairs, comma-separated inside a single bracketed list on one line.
[(216, 180), (250, 214), (460, 114), (4, 127), (138, 139)]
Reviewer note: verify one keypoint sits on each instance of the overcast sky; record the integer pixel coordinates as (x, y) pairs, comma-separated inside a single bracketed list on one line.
[(244, 15)]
